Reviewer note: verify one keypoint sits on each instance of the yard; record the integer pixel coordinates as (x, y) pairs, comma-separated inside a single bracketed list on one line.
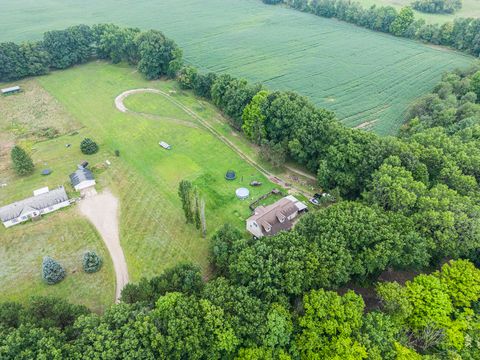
[(145, 177)]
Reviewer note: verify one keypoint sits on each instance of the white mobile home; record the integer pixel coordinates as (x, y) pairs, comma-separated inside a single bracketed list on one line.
[(33, 207)]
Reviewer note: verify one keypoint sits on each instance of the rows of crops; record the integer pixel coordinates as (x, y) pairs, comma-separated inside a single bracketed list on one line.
[(368, 78)]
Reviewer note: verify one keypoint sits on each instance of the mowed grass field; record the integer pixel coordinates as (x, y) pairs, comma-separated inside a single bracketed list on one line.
[(470, 8), (63, 235), (145, 177), (367, 78)]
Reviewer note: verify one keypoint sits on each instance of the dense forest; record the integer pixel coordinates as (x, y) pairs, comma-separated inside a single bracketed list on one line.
[(462, 34), (403, 203)]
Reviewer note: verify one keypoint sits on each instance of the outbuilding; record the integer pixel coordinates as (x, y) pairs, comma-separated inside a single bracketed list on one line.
[(11, 90), (82, 180)]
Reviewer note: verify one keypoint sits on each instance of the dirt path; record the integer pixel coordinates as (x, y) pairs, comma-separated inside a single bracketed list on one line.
[(102, 211), (121, 106), (300, 172)]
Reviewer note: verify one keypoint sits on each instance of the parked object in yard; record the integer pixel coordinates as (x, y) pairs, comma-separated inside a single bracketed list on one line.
[(242, 193), (164, 145), (84, 164), (11, 90), (255, 183), (108, 162), (314, 201), (230, 175), (46, 172)]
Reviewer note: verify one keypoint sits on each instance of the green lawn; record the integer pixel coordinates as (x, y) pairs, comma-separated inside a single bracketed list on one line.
[(364, 76), (65, 236), (145, 176)]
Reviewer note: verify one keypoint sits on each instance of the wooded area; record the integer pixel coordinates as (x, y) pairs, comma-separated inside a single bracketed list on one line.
[(407, 202)]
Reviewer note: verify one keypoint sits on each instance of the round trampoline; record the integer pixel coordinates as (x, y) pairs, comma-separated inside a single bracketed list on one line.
[(230, 175), (242, 193)]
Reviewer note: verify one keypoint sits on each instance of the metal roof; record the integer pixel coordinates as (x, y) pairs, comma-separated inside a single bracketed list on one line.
[(33, 203), (80, 176), (10, 89)]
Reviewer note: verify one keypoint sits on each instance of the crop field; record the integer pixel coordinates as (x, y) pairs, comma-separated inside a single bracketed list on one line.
[(369, 79), (470, 8)]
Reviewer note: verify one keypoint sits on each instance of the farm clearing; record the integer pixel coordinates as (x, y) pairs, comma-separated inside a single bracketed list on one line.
[(364, 76), (145, 177)]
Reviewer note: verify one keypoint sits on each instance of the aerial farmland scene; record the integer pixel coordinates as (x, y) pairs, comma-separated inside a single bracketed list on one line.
[(240, 179)]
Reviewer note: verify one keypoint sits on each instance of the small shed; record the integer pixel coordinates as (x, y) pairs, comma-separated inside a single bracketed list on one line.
[(11, 90), (82, 179), (230, 175), (164, 145), (242, 193)]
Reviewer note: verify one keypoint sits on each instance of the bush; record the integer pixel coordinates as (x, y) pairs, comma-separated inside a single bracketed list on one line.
[(91, 262), (52, 271), (22, 163), (88, 146)]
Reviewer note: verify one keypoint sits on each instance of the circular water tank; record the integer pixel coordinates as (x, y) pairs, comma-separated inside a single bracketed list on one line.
[(242, 193)]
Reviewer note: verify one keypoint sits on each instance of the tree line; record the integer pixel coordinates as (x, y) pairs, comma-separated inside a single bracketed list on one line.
[(179, 316), (461, 34), (154, 54), (437, 6), (410, 202)]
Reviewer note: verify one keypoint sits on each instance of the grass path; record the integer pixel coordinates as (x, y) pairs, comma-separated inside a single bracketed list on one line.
[(119, 103)]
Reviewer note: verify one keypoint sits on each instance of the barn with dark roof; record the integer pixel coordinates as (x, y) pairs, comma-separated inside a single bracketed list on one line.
[(82, 179)]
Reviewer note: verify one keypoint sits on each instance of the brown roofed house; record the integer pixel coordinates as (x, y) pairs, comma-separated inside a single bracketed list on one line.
[(271, 219)]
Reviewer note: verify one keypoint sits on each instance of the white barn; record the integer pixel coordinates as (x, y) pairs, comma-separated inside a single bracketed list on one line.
[(43, 202)]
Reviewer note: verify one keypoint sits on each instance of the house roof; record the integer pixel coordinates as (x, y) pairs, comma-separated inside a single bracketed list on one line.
[(275, 217), (33, 203), (80, 176)]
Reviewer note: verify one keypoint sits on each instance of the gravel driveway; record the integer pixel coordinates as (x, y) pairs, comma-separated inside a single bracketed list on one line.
[(102, 211)]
